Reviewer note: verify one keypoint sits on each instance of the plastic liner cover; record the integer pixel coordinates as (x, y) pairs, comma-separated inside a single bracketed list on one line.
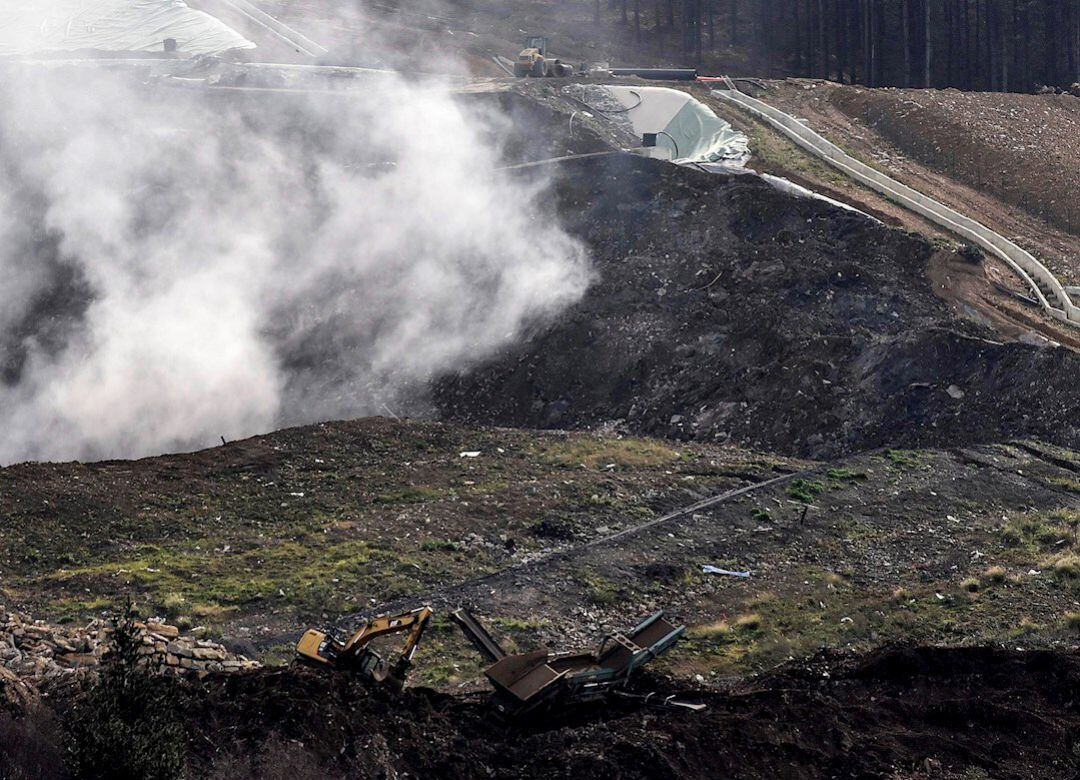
[(29, 27)]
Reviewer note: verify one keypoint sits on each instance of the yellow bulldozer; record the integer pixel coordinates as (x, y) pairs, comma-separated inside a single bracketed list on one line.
[(356, 653), (533, 60)]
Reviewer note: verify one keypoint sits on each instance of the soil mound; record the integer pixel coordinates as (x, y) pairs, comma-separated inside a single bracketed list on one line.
[(901, 713), (725, 310)]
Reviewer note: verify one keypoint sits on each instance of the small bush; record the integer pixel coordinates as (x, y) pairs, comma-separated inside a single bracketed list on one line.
[(126, 726), (28, 746), (805, 490), (971, 584), (1071, 620), (995, 574)]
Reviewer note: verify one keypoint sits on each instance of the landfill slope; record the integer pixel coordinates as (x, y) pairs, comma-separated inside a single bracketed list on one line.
[(724, 310)]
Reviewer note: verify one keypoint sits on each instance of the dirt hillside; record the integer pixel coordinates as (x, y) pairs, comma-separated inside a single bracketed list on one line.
[(724, 310)]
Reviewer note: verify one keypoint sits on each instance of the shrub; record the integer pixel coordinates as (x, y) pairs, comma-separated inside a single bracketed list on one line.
[(995, 574), (1072, 621), (805, 490), (971, 584), (126, 725), (28, 746)]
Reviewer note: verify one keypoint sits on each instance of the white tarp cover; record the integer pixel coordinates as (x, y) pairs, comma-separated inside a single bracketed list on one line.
[(690, 131), (30, 27)]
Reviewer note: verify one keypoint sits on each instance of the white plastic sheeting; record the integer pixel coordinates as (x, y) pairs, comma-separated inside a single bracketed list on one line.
[(30, 27), (686, 128)]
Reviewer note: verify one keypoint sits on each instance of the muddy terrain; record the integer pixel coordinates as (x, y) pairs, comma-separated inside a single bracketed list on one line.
[(723, 310)]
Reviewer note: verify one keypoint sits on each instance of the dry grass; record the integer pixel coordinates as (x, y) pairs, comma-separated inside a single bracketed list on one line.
[(995, 574), (749, 622), (971, 584)]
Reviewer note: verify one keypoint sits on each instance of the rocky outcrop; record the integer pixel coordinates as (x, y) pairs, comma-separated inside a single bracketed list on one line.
[(37, 655)]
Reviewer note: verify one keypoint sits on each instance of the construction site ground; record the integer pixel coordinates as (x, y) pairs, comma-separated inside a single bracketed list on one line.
[(1025, 139), (974, 549), (851, 414)]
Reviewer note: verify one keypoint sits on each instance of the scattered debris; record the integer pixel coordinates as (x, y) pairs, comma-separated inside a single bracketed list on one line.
[(707, 569)]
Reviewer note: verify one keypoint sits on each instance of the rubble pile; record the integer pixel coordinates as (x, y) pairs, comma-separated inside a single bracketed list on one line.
[(43, 655)]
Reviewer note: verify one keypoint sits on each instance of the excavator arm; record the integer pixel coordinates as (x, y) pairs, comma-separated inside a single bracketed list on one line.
[(321, 649)]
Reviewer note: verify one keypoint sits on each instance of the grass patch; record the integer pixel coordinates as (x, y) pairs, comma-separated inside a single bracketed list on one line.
[(996, 575), (410, 494), (1040, 532), (971, 585), (846, 475), (805, 490), (1071, 621), (902, 458), (719, 629), (596, 453), (1063, 483), (438, 545), (1067, 566), (748, 622)]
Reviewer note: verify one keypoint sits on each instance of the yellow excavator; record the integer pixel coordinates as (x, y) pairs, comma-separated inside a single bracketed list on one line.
[(356, 655)]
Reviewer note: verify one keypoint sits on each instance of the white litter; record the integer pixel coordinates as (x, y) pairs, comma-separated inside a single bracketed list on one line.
[(706, 569)]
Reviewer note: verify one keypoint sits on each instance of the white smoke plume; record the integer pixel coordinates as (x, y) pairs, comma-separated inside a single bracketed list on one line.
[(178, 265)]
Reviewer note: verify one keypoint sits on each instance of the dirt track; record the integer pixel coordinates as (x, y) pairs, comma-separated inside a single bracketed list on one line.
[(1008, 160)]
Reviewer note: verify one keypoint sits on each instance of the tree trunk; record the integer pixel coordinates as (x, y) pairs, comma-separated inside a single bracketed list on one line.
[(823, 41), (905, 12), (928, 49)]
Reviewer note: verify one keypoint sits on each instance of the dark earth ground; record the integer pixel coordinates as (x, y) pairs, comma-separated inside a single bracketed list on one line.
[(724, 314)]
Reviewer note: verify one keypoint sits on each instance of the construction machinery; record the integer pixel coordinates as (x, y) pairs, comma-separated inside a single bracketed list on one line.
[(357, 655), (539, 681), (533, 60)]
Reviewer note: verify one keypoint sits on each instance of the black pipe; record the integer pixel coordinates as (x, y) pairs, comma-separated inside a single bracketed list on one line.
[(664, 74)]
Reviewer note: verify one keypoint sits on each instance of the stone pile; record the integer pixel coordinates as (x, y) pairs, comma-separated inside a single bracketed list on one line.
[(42, 655)]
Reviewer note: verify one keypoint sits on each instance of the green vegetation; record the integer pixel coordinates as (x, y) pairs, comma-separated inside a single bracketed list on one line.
[(598, 453), (846, 475), (749, 622), (805, 490), (902, 458), (1063, 483), (1067, 566)]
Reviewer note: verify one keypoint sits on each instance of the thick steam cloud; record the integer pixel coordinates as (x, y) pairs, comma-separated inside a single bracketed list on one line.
[(178, 265)]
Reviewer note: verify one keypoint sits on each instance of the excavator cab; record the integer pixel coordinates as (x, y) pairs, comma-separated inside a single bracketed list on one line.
[(538, 42), (356, 653)]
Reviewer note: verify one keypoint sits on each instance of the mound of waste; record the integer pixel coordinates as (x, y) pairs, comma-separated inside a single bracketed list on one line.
[(724, 310)]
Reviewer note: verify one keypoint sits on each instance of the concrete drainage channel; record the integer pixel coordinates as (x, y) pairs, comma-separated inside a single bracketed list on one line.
[(1054, 298)]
